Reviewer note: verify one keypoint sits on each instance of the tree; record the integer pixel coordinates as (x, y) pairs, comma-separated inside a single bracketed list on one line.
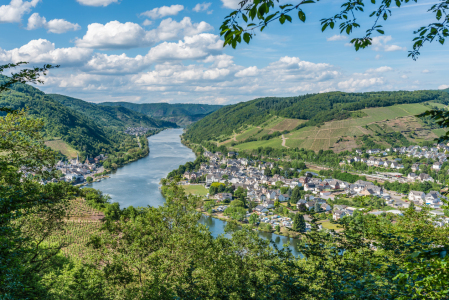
[(276, 203), (89, 179), (317, 207), (253, 219), (296, 195), (278, 228), (302, 207), (259, 14), (299, 224)]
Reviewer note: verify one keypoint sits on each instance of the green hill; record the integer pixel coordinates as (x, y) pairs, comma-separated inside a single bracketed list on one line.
[(182, 114), (111, 116), (67, 129), (336, 121)]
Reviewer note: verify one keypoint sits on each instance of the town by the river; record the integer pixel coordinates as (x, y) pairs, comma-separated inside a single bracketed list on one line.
[(137, 183)]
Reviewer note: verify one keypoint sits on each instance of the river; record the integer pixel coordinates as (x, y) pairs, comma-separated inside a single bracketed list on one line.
[(137, 183)]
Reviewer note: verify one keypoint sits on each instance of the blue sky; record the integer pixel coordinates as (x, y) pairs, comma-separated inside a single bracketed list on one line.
[(139, 51)]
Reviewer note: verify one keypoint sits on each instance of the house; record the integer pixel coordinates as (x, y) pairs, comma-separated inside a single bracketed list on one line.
[(373, 151), (334, 184), (261, 209), (338, 214), (425, 177), (223, 196), (436, 166), (416, 196), (326, 207), (358, 151), (309, 187), (284, 197), (310, 205), (268, 204), (231, 153), (412, 176), (415, 167)]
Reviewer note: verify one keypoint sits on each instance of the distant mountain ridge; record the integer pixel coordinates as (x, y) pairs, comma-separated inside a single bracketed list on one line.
[(181, 114), (111, 116)]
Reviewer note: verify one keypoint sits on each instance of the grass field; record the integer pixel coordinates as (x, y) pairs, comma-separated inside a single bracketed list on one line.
[(328, 225), (63, 147), (275, 143), (198, 190)]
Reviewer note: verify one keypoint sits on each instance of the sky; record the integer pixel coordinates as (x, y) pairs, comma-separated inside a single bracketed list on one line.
[(171, 51)]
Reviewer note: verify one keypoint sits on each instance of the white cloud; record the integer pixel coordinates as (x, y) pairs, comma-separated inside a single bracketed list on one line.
[(163, 11), (443, 87), (404, 76), (220, 61), (53, 26), (202, 6), (97, 2), (116, 35), (147, 22), (352, 84), (13, 12), (425, 71), (378, 56), (115, 64), (251, 71), (233, 4), (169, 29), (380, 70), (194, 47), (336, 37), (43, 51), (379, 43)]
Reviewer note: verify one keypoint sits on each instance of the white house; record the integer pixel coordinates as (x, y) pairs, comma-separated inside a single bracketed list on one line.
[(416, 196)]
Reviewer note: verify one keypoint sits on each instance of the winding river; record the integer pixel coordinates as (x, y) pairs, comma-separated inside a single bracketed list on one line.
[(137, 183)]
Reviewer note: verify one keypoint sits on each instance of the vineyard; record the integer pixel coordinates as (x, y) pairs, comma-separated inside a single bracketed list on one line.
[(82, 222)]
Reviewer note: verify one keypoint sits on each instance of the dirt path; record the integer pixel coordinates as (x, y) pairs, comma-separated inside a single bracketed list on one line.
[(283, 142), (234, 138)]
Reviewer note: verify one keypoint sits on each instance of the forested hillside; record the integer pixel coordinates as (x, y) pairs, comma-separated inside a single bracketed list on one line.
[(313, 109), (111, 116), (68, 128), (182, 114)]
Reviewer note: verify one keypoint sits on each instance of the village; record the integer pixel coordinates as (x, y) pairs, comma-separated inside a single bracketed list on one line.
[(320, 193)]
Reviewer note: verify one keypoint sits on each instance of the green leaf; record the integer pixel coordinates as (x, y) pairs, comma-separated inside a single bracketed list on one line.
[(288, 18), (324, 27), (246, 37), (302, 15), (282, 19), (245, 18), (380, 31)]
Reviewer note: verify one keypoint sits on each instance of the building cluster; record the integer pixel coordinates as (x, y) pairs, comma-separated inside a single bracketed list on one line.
[(75, 170), (265, 190), (137, 130)]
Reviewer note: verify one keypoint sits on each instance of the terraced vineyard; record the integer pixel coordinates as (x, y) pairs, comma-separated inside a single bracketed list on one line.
[(340, 135), (81, 223)]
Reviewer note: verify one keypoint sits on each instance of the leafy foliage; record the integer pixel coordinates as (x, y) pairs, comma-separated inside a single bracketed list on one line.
[(258, 14)]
